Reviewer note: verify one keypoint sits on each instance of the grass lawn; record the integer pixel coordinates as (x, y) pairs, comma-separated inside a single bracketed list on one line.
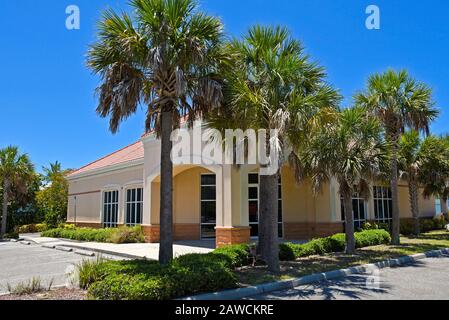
[(316, 264)]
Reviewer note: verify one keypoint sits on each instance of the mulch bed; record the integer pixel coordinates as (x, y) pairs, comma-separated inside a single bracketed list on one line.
[(57, 294)]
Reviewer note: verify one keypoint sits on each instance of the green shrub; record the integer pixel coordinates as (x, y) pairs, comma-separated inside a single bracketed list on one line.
[(117, 235), (143, 280), (127, 235), (287, 252), (370, 238), (11, 235), (32, 228), (338, 242), (374, 225), (196, 273), (124, 287), (238, 255), (425, 225), (335, 243)]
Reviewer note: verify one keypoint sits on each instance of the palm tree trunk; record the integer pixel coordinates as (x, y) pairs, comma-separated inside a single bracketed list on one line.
[(166, 197), (269, 214), (395, 237), (262, 227), (4, 208), (443, 203), (413, 194), (349, 223)]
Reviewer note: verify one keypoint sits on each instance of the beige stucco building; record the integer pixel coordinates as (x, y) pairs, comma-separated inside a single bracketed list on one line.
[(212, 201)]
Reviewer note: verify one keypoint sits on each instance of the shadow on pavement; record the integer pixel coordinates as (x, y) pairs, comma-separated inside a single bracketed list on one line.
[(355, 287)]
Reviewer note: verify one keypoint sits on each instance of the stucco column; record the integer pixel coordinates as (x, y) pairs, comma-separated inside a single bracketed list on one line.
[(151, 171), (232, 224), (335, 201)]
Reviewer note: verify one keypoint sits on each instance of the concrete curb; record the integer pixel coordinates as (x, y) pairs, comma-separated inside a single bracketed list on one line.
[(241, 293), (94, 250), (63, 248), (85, 253), (108, 252)]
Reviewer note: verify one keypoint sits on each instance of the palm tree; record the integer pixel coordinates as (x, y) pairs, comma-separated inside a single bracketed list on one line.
[(271, 84), (164, 57), (409, 164), (55, 169), (434, 169), (399, 102), (16, 171), (352, 151)]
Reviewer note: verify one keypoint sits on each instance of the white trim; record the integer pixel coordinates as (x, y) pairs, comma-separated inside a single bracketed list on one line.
[(108, 169), (111, 187), (135, 183)]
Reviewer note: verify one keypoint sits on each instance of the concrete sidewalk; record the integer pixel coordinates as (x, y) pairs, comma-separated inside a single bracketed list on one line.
[(133, 250)]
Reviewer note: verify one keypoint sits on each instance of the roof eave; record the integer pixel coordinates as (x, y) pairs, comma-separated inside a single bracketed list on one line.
[(103, 170)]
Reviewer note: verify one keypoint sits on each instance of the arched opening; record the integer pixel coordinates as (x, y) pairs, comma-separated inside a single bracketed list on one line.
[(195, 202)]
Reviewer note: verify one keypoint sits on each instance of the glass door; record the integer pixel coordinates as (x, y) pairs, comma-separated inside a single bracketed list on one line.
[(208, 206), (253, 205)]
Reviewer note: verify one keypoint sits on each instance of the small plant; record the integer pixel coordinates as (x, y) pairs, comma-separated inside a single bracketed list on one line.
[(24, 288), (87, 272), (67, 226)]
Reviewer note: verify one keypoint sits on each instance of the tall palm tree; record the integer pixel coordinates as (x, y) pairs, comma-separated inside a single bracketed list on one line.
[(409, 164), (16, 171), (163, 56), (55, 169), (271, 84), (434, 169), (352, 151), (399, 102)]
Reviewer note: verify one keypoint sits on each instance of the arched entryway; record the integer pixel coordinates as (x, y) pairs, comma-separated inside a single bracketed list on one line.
[(197, 203)]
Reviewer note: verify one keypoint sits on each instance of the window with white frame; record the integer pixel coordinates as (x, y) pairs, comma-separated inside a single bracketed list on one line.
[(110, 208), (134, 206), (383, 204), (208, 205), (253, 205), (358, 208)]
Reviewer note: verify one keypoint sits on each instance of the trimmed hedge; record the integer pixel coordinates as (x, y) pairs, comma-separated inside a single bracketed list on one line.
[(425, 224), (335, 243), (32, 228), (237, 255), (111, 235), (143, 280), (195, 273)]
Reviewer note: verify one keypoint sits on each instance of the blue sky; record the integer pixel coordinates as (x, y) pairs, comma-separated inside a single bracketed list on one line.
[(47, 100)]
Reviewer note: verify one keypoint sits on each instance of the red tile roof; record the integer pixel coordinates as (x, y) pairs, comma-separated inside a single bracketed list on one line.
[(130, 153)]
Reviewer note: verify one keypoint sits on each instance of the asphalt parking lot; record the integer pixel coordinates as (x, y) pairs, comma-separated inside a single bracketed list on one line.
[(427, 279), (20, 263)]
